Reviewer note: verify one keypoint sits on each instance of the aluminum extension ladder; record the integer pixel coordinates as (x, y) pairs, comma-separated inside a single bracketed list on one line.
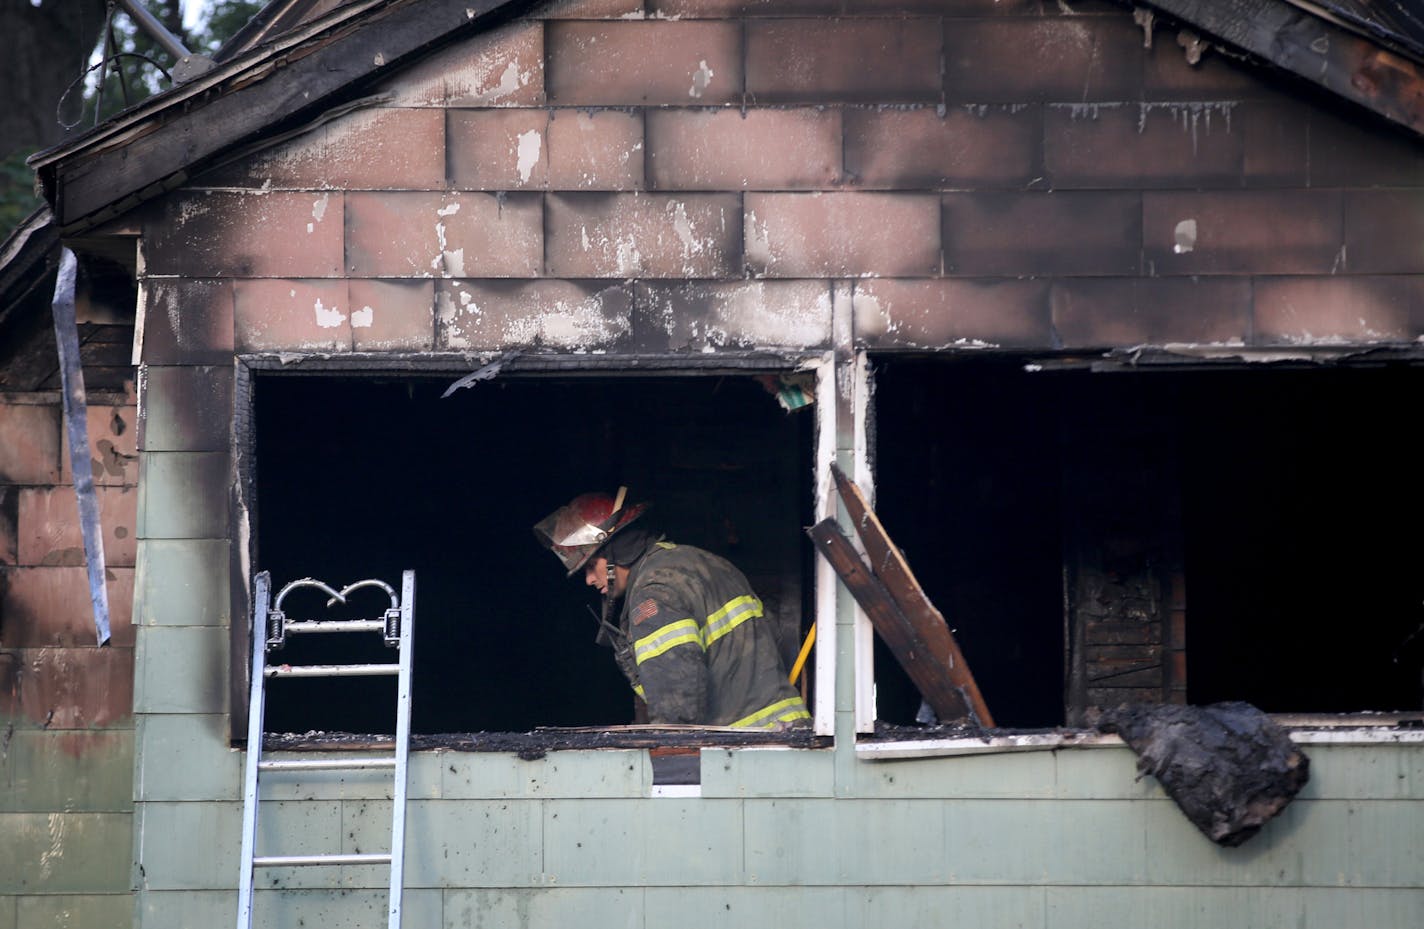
[(270, 627)]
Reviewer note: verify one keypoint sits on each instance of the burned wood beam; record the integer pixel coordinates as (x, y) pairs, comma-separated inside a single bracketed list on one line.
[(914, 653), (1313, 48), (888, 564)]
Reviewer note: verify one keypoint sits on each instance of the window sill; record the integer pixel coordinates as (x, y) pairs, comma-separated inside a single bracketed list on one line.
[(1304, 729)]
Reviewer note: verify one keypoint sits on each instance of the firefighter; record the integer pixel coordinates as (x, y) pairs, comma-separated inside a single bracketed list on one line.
[(690, 635)]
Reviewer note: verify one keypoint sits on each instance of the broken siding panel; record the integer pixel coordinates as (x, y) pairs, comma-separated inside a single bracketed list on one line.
[(112, 444)]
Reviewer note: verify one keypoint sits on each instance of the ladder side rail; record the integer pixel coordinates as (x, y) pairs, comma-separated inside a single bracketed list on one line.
[(403, 707), (255, 722)]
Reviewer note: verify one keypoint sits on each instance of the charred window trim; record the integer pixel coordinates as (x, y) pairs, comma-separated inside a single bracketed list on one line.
[(1364, 727), (243, 516)]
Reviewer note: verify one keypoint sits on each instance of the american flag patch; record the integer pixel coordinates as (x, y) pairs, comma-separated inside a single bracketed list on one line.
[(645, 610)]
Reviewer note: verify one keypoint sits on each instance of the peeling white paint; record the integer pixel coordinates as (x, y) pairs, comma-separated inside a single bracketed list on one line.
[(757, 240), (379, 60), (1185, 236), (691, 245), (449, 209), (583, 234), (630, 261), (530, 144), (701, 78), (454, 261), (363, 318), (319, 207), (328, 317)]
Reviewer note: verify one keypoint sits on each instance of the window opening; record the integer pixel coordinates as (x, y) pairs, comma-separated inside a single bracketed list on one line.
[(364, 476), (1186, 536)]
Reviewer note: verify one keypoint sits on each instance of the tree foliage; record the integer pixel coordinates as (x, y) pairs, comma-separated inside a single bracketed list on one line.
[(53, 74)]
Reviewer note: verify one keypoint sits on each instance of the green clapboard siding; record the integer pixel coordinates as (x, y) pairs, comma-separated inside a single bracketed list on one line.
[(74, 911), (64, 852), (182, 582), (67, 770)]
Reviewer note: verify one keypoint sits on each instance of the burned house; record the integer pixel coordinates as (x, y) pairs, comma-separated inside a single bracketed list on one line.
[(1114, 311)]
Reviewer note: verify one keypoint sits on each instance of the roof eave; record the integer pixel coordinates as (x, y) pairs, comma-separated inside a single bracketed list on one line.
[(1323, 52), (154, 147)]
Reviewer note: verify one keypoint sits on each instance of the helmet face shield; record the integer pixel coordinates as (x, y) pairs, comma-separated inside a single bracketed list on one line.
[(574, 533)]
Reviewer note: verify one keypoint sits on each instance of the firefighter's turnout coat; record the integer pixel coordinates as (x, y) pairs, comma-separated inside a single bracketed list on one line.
[(702, 652)]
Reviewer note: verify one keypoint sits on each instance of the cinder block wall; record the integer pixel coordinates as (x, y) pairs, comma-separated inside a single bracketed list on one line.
[(621, 176), (66, 705)]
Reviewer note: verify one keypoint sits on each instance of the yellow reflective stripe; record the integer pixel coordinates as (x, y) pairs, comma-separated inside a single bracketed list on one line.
[(782, 711), (730, 616), (638, 689), (669, 636)]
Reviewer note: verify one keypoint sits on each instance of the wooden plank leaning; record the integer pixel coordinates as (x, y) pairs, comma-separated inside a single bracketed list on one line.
[(899, 610)]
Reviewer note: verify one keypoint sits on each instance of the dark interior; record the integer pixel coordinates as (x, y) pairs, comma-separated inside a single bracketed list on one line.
[(366, 476), (1297, 490)]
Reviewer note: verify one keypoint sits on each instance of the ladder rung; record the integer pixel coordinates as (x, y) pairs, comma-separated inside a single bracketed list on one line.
[(304, 861), (335, 625), (332, 670), (326, 764)]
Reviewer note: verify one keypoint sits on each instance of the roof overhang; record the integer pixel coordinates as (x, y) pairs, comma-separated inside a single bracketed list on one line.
[(271, 89), (1320, 42)]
